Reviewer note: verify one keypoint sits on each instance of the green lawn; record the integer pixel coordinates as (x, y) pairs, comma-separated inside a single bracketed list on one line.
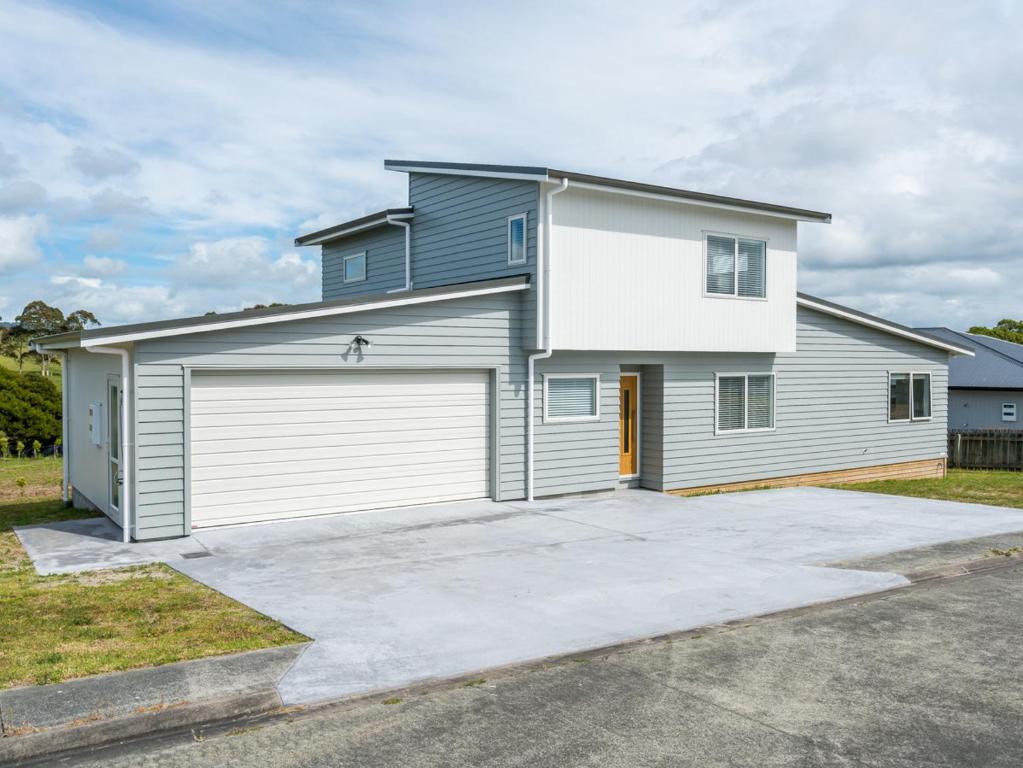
[(1003, 489), (55, 628)]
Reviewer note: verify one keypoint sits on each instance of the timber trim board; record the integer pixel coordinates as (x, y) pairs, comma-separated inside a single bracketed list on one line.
[(902, 471)]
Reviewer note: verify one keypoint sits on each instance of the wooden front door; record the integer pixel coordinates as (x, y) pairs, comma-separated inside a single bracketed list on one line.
[(628, 425)]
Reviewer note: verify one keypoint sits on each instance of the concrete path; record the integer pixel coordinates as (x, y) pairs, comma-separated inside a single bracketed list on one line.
[(401, 596)]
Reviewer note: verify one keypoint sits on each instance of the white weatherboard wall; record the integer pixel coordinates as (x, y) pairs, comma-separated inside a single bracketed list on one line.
[(628, 274), (270, 445), (87, 374)]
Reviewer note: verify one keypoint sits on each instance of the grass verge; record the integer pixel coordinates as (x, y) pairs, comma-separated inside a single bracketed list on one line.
[(999, 488), (56, 628)]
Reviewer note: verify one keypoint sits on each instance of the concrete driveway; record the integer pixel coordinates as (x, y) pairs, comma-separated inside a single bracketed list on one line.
[(400, 596)]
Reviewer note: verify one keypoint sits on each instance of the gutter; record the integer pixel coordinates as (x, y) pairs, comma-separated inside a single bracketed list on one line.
[(126, 429), (543, 269)]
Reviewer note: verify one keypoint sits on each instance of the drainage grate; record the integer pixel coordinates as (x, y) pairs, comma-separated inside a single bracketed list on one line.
[(194, 555)]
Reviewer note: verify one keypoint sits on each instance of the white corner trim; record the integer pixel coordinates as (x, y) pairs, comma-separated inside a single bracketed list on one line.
[(882, 326), (300, 315)]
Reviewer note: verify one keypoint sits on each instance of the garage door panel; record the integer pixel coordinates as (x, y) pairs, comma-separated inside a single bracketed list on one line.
[(278, 418), (284, 462), (353, 441), (325, 504)]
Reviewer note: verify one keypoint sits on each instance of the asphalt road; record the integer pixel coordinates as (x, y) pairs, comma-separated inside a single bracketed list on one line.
[(926, 676)]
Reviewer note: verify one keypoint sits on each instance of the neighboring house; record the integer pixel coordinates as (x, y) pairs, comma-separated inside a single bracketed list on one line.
[(984, 391), (511, 332)]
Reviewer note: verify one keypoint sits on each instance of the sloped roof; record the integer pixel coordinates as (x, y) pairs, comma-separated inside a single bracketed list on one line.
[(996, 364)]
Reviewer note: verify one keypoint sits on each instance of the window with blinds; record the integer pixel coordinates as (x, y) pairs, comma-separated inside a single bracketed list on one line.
[(570, 398), (745, 402), (736, 266)]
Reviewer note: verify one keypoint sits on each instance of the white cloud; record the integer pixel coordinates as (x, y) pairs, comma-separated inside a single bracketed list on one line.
[(916, 153), (103, 266), (103, 162), (115, 303), (18, 242)]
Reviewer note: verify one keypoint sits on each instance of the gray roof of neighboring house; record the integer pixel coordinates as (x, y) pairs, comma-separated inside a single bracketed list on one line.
[(996, 364), (202, 323), (539, 173)]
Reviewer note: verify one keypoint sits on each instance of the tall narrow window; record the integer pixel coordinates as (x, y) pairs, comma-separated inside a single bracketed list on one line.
[(736, 266), (517, 239), (745, 402), (354, 268), (921, 396)]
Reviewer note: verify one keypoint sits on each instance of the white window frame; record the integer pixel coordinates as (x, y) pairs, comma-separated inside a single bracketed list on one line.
[(745, 395), (1013, 408), (572, 419), (734, 295), (888, 396), (525, 239), (344, 268)]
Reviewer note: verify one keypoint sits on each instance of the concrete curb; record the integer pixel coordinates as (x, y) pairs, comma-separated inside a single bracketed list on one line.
[(18, 748)]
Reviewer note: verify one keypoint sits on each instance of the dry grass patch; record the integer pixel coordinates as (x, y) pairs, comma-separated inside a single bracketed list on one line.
[(56, 628)]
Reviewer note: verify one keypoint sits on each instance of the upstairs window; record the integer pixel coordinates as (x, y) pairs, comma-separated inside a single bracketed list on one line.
[(517, 239), (354, 268), (736, 266), (570, 397), (745, 402), (909, 396)]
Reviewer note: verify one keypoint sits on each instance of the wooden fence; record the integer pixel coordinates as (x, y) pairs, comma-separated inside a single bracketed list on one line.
[(986, 449)]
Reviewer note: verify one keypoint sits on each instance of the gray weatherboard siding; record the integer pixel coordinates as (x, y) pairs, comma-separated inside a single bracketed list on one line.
[(831, 399), (459, 235), (979, 409), (481, 332), (385, 263)]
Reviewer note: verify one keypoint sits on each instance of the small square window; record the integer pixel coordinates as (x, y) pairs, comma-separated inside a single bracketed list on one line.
[(745, 402), (1008, 411), (517, 239), (736, 266), (354, 268)]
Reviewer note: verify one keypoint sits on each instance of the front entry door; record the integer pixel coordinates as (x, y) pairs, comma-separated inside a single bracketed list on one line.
[(628, 425), (114, 428)]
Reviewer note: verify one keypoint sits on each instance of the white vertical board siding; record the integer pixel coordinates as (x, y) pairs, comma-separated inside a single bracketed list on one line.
[(271, 445), (479, 333), (831, 409), (628, 273)]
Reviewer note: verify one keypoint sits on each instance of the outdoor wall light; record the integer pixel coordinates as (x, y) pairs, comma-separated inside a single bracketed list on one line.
[(362, 341)]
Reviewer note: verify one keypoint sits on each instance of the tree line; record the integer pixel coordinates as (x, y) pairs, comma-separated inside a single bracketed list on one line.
[(40, 319)]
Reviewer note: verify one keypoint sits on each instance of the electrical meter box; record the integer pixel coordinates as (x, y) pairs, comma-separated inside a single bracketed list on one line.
[(96, 423)]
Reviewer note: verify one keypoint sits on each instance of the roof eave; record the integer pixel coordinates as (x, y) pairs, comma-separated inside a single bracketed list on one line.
[(871, 321), (355, 226)]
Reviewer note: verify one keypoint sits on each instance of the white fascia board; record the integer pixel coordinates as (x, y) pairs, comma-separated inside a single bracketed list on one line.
[(463, 172), (680, 200), (882, 326), (301, 315)]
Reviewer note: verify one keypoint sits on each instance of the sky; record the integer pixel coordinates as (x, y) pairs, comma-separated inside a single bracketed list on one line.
[(157, 160)]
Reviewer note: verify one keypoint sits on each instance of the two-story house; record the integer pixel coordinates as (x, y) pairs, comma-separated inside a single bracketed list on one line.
[(509, 333)]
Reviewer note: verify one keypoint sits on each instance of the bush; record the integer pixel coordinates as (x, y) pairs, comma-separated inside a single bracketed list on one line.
[(29, 408)]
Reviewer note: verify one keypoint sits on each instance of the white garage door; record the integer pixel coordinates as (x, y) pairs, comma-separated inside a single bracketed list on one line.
[(269, 446)]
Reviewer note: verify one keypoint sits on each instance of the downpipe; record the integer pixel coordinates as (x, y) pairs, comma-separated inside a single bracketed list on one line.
[(544, 270), (127, 460)]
